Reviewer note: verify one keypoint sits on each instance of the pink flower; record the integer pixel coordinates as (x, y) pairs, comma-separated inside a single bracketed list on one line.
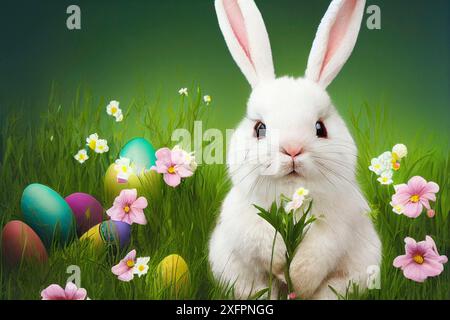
[(292, 296), (431, 213), (422, 260), (127, 208), (174, 165), (125, 269), (415, 195), (71, 292)]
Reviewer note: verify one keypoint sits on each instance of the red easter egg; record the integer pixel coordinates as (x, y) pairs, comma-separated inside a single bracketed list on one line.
[(20, 242)]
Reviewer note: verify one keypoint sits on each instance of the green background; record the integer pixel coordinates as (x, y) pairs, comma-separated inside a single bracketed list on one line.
[(128, 49)]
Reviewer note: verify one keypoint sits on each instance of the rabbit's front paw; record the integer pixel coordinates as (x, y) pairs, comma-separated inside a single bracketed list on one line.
[(306, 275)]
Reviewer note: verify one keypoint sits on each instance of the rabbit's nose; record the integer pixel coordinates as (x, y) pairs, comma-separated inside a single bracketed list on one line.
[(292, 151)]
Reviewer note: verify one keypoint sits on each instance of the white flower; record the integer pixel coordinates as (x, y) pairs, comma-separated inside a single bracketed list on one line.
[(51, 138), (377, 166), (119, 116), (207, 99), (113, 108), (101, 146), (183, 92), (124, 169), (141, 266), (188, 157), (91, 141), (81, 156), (386, 157), (301, 192), (400, 150), (385, 178), (398, 209), (298, 199), (382, 163), (295, 204)]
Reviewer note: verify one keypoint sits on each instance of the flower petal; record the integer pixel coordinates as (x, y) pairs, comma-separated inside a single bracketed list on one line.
[(140, 203), (413, 210), (431, 187), (53, 292), (413, 271), (172, 180), (138, 216), (401, 261), (128, 196), (127, 276), (183, 172), (417, 184)]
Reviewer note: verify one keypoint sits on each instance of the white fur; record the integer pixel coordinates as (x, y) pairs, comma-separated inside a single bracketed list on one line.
[(342, 243)]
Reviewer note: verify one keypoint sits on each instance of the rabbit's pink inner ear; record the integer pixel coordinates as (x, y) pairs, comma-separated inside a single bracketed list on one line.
[(338, 31), (237, 23)]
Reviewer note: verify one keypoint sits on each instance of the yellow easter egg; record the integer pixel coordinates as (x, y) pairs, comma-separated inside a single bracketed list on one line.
[(93, 235), (173, 273), (113, 187)]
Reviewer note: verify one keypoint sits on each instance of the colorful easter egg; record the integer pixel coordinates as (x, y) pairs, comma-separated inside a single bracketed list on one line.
[(140, 152), (87, 210), (48, 214), (109, 234), (21, 243), (113, 187), (173, 273)]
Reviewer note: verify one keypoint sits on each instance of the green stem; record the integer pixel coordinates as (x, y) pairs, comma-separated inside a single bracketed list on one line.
[(269, 292), (287, 275)]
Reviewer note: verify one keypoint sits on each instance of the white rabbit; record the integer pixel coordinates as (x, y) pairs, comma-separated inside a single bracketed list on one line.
[(293, 136)]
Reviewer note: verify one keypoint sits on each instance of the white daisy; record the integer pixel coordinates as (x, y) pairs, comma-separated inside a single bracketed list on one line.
[(141, 266), (398, 209), (183, 92), (91, 141), (81, 156), (119, 116), (385, 178), (113, 108), (101, 146), (207, 99)]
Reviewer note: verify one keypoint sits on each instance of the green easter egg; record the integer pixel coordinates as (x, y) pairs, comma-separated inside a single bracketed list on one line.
[(140, 152), (48, 214)]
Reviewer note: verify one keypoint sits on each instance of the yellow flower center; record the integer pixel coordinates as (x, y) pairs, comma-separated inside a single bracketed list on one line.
[(126, 209), (130, 263), (124, 169), (92, 144), (418, 259), (415, 198), (113, 110), (171, 170), (377, 166), (141, 268)]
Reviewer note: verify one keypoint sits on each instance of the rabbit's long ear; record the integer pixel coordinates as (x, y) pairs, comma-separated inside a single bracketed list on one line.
[(246, 36), (335, 40)]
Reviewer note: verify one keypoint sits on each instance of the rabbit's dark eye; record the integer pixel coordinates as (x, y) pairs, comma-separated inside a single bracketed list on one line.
[(260, 130), (321, 130)]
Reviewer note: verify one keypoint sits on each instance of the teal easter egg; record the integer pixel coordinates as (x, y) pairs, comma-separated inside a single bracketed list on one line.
[(48, 214), (140, 152)]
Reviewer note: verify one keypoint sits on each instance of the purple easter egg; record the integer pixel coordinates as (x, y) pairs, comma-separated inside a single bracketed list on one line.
[(87, 210), (113, 232)]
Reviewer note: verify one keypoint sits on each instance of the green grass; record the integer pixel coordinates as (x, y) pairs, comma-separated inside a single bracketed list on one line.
[(181, 219)]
